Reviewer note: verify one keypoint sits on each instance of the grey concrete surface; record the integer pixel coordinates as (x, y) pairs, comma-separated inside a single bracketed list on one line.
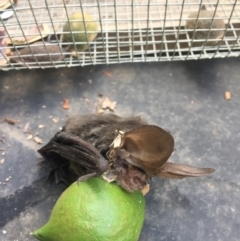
[(185, 97)]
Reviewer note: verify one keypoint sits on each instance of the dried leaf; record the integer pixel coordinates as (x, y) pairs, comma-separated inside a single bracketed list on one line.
[(4, 149), (2, 161), (26, 127), (65, 104), (55, 120), (227, 95), (108, 74), (34, 34), (38, 140), (10, 121), (100, 111), (107, 104), (145, 189), (29, 137), (4, 4)]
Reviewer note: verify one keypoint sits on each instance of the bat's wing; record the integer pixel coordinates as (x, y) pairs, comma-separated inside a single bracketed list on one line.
[(179, 171), (68, 150)]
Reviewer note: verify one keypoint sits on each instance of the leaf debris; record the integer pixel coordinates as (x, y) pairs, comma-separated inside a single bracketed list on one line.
[(38, 140), (26, 127), (145, 189), (107, 104), (4, 149), (107, 73), (227, 95), (100, 111), (66, 105), (10, 121), (55, 120), (29, 137), (2, 140)]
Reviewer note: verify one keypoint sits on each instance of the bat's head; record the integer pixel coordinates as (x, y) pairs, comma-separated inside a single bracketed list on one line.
[(138, 154), (147, 147), (143, 153)]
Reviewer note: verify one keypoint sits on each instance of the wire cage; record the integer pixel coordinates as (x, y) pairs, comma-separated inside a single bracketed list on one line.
[(65, 33)]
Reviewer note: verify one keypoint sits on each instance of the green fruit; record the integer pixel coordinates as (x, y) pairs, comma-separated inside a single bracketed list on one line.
[(76, 23), (95, 210)]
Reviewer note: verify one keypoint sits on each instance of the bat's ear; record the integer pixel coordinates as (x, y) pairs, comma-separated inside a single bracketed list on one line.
[(179, 171)]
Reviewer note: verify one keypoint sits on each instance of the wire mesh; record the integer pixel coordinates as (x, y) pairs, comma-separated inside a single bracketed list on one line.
[(128, 31)]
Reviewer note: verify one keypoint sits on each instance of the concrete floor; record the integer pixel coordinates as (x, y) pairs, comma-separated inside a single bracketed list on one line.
[(185, 97)]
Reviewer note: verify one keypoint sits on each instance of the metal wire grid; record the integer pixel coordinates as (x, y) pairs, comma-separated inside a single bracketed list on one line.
[(129, 30)]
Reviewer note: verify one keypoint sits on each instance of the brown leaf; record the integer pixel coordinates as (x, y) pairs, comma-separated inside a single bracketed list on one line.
[(108, 74), (107, 104), (38, 32), (10, 121), (65, 104), (227, 95)]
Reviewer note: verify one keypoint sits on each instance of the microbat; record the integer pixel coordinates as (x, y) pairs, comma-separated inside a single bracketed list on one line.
[(126, 150)]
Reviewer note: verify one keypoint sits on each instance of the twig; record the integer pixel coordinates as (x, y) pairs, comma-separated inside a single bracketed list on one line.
[(10, 121), (4, 149), (3, 141)]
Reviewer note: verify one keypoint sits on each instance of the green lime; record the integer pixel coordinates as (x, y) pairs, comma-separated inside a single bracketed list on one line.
[(81, 28), (95, 210)]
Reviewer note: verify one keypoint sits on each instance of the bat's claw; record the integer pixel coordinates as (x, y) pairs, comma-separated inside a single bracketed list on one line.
[(85, 177)]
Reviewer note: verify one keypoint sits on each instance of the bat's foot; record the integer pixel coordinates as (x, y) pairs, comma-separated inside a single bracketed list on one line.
[(85, 177)]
